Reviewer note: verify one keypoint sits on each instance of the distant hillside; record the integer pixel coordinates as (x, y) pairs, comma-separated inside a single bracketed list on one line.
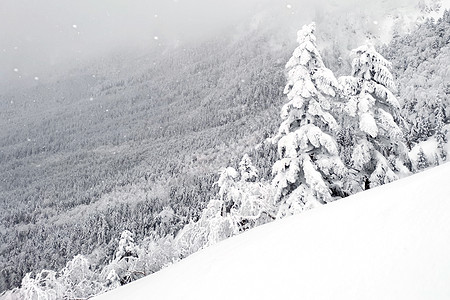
[(106, 148)]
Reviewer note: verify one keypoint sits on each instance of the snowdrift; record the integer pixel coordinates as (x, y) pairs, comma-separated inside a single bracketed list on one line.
[(391, 242)]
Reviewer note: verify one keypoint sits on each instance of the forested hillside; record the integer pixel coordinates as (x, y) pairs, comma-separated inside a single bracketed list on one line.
[(133, 145), (423, 75), (89, 155)]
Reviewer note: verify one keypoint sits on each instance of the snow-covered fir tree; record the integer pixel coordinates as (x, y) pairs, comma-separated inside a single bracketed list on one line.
[(127, 265), (248, 171), (309, 171), (212, 227), (112, 280), (239, 205), (379, 152), (440, 133), (126, 248), (422, 162), (226, 183), (250, 198)]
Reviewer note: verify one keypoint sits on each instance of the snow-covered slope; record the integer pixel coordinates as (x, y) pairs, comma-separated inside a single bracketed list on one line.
[(392, 242)]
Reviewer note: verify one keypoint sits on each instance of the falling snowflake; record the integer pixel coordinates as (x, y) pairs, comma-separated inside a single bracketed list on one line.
[(156, 38), (289, 6), (155, 15), (16, 70), (74, 26), (36, 78), (375, 22)]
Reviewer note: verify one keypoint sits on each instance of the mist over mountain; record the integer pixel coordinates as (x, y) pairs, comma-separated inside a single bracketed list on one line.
[(114, 113), (47, 37)]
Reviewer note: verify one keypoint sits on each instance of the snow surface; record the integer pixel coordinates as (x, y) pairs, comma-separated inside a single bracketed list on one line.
[(391, 242)]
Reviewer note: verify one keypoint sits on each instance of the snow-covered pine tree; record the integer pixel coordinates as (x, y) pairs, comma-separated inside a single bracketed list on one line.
[(309, 170), (379, 151), (112, 280), (422, 162), (245, 203), (127, 263), (126, 248), (248, 171), (212, 227), (226, 183), (239, 205), (439, 133)]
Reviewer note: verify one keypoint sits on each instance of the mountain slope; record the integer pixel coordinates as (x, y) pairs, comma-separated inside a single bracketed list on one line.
[(105, 147), (391, 242), (108, 153)]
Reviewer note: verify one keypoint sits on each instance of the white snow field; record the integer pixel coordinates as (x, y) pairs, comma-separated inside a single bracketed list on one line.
[(391, 242)]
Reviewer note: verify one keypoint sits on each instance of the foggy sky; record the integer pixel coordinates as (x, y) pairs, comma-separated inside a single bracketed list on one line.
[(36, 35)]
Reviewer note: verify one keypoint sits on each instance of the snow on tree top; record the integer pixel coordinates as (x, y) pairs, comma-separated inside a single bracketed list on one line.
[(307, 33), (371, 65)]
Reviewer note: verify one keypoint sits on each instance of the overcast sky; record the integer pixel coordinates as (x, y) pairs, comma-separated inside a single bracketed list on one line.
[(38, 34)]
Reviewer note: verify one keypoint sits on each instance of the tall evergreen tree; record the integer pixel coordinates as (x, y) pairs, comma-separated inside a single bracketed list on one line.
[(309, 170), (422, 162), (127, 247), (248, 171), (440, 133), (379, 150)]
